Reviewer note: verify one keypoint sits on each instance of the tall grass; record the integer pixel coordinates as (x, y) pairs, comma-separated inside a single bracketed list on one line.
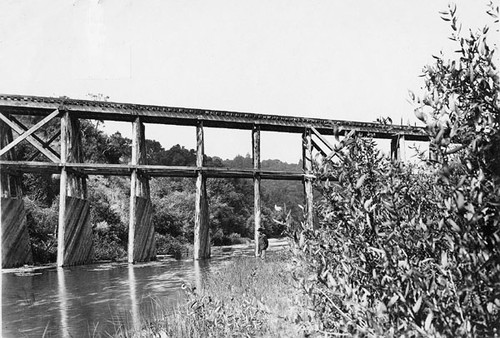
[(249, 297)]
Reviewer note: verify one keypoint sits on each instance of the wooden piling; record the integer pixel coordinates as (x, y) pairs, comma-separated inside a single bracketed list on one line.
[(141, 240), (256, 185), (398, 149), (74, 233), (15, 247), (201, 219), (308, 180)]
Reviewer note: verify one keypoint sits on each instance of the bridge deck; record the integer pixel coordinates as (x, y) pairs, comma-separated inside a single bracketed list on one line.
[(114, 111)]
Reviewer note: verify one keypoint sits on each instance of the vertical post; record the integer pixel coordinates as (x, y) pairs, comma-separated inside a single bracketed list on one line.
[(133, 194), (433, 153), (307, 167), (256, 185), (74, 234), (398, 152), (201, 227), (141, 243), (63, 193)]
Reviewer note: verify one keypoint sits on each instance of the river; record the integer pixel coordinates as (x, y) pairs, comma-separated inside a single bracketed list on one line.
[(99, 299)]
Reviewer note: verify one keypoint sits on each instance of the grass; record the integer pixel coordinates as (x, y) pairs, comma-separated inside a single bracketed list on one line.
[(249, 297)]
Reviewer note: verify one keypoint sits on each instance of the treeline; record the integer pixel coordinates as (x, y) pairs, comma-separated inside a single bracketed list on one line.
[(230, 200)]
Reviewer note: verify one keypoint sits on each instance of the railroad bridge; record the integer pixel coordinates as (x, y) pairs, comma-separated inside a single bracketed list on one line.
[(74, 240)]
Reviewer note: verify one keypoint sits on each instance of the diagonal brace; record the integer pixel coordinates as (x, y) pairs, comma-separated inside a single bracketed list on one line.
[(324, 140), (27, 135), (45, 144)]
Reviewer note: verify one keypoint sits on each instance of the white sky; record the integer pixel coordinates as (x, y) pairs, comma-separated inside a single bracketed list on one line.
[(350, 60)]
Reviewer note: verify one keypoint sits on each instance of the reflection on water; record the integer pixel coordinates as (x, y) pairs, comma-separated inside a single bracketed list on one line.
[(63, 308), (91, 300), (134, 309)]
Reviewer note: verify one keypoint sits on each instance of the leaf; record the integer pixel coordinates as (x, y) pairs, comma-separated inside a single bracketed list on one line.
[(422, 225), (360, 181), (459, 199), (381, 308), (444, 259), (367, 204), (417, 305), (454, 225), (393, 300), (428, 321)]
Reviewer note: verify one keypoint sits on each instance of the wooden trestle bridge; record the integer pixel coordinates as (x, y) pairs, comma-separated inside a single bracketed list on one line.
[(74, 232)]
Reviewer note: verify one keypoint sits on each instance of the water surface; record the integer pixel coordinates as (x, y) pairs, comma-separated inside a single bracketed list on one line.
[(96, 300)]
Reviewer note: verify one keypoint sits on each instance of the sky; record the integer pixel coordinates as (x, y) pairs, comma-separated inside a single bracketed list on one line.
[(346, 60)]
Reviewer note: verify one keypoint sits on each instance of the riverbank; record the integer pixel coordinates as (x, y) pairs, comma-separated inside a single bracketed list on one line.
[(248, 297)]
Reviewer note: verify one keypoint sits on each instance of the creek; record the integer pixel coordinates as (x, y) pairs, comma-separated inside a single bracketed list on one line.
[(101, 299)]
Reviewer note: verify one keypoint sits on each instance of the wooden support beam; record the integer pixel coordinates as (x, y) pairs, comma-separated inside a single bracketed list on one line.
[(201, 219), (398, 148), (141, 241), (308, 180), (74, 235), (27, 134), (63, 193), (256, 185), (18, 167)]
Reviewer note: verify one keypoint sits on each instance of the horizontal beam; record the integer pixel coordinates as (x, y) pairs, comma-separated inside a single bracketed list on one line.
[(149, 170), (33, 105)]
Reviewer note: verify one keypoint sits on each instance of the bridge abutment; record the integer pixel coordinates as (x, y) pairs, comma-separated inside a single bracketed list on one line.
[(16, 249)]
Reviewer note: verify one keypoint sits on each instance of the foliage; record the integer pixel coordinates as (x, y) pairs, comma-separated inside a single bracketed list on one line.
[(42, 227), (169, 245), (414, 250), (174, 214), (461, 110), (107, 246)]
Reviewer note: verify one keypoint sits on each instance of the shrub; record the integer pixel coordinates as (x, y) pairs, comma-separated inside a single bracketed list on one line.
[(107, 246), (42, 227), (235, 238), (388, 257), (408, 250), (169, 245)]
